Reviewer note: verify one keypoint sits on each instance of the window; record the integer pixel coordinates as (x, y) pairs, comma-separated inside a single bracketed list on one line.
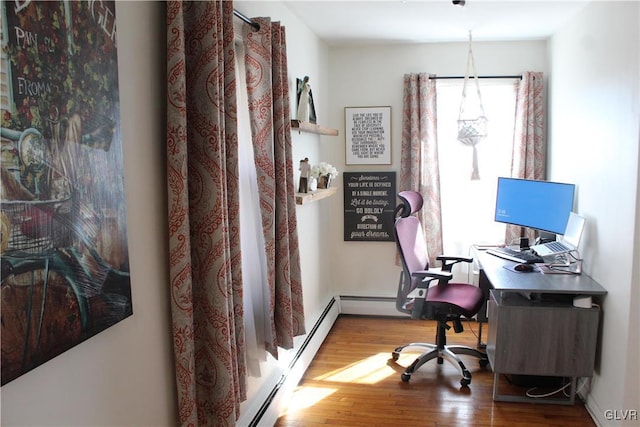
[(254, 262), (468, 205)]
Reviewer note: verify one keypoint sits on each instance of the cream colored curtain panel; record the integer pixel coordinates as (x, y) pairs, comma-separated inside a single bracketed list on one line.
[(204, 208), (419, 167), (268, 91), (529, 144), (204, 233)]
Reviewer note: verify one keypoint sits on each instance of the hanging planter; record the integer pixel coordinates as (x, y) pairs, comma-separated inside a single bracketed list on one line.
[(472, 122)]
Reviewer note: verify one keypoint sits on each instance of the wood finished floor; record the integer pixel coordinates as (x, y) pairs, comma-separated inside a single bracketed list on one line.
[(352, 381)]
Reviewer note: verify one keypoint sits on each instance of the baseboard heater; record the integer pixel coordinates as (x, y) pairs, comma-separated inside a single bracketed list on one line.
[(267, 413), (318, 332)]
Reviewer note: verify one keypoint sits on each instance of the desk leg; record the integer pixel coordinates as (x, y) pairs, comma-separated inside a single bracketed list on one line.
[(572, 392), (496, 381), (481, 345), (485, 286)]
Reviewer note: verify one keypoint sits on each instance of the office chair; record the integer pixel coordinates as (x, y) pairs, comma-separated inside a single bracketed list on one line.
[(419, 297)]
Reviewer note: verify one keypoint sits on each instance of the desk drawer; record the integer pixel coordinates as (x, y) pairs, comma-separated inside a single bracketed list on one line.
[(538, 338)]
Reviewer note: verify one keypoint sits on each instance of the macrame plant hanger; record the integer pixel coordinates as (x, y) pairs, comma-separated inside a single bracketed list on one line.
[(472, 123)]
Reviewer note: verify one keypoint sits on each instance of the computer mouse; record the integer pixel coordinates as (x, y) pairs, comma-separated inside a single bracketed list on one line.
[(523, 267)]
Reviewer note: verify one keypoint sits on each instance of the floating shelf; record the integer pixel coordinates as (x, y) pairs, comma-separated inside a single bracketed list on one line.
[(313, 196), (313, 128)]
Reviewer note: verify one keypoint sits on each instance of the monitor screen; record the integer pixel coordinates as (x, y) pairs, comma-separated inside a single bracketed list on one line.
[(541, 205)]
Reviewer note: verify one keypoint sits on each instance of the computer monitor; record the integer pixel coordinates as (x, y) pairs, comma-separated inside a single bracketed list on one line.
[(541, 205)]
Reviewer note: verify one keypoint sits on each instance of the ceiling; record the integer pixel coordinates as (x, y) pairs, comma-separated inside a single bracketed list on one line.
[(422, 21)]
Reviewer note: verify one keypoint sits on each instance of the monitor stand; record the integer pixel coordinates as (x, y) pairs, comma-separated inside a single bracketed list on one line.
[(545, 237), (524, 244)]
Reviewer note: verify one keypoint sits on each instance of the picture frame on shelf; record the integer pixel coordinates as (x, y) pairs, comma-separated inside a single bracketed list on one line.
[(368, 135)]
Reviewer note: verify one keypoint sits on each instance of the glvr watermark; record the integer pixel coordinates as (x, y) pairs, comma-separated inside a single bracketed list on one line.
[(621, 414)]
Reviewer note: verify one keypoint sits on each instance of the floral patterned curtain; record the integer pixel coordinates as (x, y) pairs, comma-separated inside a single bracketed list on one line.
[(204, 241), (529, 144), (268, 91), (419, 169)]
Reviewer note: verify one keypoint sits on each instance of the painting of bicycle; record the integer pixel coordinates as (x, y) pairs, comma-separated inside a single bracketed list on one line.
[(63, 235)]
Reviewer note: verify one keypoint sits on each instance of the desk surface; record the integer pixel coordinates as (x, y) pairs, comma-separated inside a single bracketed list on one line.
[(505, 279)]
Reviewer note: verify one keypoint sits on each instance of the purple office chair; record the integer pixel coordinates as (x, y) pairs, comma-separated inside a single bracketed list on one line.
[(421, 298)]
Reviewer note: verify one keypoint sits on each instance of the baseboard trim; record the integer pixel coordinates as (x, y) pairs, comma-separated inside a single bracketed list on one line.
[(593, 408), (270, 409), (368, 306)]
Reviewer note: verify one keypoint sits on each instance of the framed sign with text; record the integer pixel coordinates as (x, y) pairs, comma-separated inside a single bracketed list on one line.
[(369, 202), (368, 135)]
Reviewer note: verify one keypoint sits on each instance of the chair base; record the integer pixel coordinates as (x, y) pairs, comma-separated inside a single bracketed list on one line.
[(447, 352)]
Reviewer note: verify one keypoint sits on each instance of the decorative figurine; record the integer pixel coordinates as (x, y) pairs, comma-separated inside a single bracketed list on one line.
[(305, 172), (306, 109)]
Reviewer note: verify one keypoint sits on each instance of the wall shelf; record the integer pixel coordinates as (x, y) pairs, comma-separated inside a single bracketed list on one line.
[(313, 196), (313, 128)]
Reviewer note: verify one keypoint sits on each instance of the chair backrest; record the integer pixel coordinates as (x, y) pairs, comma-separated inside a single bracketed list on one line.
[(410, 242)]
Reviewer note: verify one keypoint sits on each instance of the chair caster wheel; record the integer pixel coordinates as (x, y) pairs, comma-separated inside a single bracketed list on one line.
[(484, 363), (405, 377), (465, 382), (395, 355)]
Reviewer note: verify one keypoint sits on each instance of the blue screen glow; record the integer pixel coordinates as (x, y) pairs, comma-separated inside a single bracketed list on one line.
[(541, 205)]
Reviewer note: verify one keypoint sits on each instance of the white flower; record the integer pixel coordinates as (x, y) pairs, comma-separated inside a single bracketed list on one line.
[(322, 169)]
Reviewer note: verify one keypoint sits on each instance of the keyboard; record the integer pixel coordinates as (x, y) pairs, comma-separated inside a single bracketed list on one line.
[(515, 256), (557, 247)]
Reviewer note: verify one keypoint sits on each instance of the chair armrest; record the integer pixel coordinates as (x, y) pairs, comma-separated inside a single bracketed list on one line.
[(428, 276), (419, 294), (449, 261), (454, 258), (433, 274)]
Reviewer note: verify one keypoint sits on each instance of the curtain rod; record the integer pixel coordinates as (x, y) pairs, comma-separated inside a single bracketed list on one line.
[(249, 21), (480, 77)]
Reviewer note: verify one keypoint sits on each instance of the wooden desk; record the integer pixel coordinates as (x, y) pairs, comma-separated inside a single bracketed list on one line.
[(504, 279), (534, 329)]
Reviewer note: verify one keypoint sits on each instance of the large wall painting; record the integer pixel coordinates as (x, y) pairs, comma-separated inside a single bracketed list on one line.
[(65, 262)]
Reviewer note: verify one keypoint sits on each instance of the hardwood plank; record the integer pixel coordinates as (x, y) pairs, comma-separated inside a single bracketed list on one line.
[(353, 381)]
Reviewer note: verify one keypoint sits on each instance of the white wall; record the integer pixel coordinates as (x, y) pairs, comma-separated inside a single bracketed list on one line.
[(594, 135), (124, 375), (373, 76)]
